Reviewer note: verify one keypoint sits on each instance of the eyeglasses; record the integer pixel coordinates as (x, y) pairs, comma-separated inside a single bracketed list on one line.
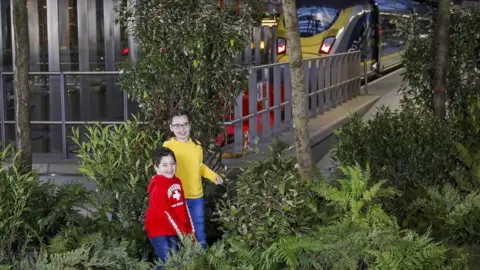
[(178, 126)]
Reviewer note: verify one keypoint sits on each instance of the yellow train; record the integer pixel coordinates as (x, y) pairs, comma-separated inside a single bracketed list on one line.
[(337, 26)]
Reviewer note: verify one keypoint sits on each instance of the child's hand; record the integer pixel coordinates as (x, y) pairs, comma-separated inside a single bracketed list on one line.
[(218, 180)]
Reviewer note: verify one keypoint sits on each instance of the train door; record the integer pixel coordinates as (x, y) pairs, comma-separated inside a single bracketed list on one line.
[(363, 37), (392, 43)]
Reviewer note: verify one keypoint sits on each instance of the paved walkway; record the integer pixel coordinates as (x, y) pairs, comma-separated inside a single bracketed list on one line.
[(387, 88)]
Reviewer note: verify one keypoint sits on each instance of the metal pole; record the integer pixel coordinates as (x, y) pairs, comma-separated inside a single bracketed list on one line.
[(365, 74), (125, 106), (2, 113), (62, 108)]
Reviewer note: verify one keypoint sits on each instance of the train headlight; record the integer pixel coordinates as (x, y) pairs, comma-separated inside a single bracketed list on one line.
[(327, 45), (281, 46)]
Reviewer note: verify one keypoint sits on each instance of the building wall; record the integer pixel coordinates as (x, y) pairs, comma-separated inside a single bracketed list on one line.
[(66, 35), (77, 35)]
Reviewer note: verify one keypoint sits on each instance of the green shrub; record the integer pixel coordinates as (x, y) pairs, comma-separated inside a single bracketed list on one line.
[(467, 125), (269, 202), (462, 80), (31, 212), (95, 253), (187, 61), (117, 160), (16, 207), (358, 234), (452, 215), (407, 148), (452, 210)]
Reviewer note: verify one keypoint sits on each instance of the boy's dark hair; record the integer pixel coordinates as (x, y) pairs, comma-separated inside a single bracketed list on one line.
[(161, 152)]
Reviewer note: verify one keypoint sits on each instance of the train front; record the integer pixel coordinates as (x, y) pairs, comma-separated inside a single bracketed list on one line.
[(328, 27)]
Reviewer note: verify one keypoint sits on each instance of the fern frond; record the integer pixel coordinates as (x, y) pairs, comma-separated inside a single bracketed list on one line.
[(286, 251)]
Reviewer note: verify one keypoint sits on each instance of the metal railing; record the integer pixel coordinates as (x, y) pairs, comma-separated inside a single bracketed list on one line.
[(262, 111), (62, 122), (265, 109)]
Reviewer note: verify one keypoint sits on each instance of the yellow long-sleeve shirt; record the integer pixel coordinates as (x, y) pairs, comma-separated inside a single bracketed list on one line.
[(190, 167)]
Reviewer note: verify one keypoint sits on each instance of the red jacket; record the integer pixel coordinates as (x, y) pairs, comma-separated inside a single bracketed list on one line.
[(167, 212)]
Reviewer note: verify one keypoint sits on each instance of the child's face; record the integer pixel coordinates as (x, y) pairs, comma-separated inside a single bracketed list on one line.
[(167, 167), (180, 127)]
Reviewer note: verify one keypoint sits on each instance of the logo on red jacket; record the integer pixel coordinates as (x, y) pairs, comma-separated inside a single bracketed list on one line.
[(173, 191)]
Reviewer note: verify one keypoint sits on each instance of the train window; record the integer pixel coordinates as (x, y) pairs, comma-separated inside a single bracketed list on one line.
[(314, 19), (388, 23)]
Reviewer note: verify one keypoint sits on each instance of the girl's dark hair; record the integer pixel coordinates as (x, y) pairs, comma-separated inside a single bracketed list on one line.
[(161, 152), (183, 113), (178, 113)]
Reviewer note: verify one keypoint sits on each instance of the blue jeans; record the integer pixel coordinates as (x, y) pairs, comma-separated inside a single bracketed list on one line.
[(162, 245), (197, 211)]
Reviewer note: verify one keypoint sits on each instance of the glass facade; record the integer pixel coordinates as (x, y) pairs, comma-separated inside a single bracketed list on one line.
[(66, 35)]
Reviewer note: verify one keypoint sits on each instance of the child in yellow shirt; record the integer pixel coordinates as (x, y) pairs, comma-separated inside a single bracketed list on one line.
[(190, 170)]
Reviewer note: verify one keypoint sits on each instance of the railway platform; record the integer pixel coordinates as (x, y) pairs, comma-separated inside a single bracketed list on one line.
[(386, 89)]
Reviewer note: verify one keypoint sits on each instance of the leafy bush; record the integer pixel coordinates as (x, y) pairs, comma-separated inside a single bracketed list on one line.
[(258, 9), (358, 234), (269, 202), (95, 253), (463, 76), (188, 50), (407, 148), (16, 207), (42, 227), (117, 160), (31, 212), (451, 214), (451, 210)]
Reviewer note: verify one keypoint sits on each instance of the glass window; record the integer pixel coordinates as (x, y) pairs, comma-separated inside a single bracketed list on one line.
[(68, 27), (314, 19), (97, 38), (6, 60), (43, 34)]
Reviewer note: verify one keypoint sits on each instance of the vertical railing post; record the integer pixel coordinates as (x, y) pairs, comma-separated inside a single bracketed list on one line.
[(266, 131), (333, 82), (306, 64), (360, 71), (314, 88), (365, 77), (277, 97), (257, 39), (321, 85), (339, 72), (125, 106), (252, 106), (2, 112), (350, 76), (63, 113), (328, 83), (288, 97), (238, 126)]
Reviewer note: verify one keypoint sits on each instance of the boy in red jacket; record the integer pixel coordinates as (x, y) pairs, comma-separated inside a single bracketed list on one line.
[(167, 217)]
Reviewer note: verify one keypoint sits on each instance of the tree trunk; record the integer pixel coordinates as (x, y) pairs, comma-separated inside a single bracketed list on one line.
[(441, 58), (299, 111), (22, 91)]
